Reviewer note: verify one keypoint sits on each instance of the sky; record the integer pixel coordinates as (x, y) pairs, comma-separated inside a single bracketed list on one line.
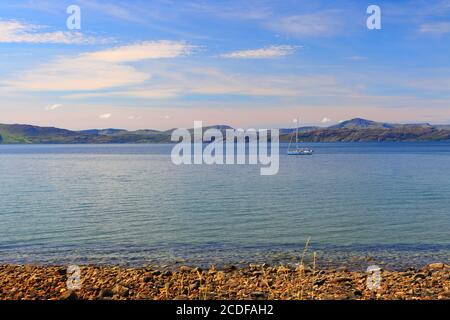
[(163, 63)]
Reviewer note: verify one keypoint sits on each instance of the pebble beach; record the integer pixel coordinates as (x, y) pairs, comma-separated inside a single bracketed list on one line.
[(252, 282)]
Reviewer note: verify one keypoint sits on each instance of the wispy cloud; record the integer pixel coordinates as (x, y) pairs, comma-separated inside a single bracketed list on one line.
[(97, 70), (12, 31), (325, 120), (121, 12), (262, 53), (435, 28), (430, 84), (323, 23), (210, 81), (143, 51), (243, 10), (157, 15), (77, 74), (152, 92)]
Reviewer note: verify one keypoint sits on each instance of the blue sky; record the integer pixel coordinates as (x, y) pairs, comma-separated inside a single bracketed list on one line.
[(163, 64)]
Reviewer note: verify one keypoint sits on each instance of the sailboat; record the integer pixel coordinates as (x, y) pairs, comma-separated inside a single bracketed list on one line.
[(297, 151)]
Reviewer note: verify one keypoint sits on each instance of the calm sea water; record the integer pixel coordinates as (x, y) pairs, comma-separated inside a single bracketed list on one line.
[(128, 204)]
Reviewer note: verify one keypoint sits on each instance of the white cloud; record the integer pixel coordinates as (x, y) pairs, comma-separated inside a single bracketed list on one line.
[(13, 31), (79, 73), (97, 70), (267, 52), (325, 120), (435, 28), (143, 51), (53, 107), (105, 116)]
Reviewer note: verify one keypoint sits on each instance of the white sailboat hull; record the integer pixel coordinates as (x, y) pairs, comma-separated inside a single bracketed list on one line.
[(300, 152)]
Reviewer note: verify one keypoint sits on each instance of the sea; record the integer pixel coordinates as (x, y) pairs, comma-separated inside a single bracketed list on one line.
[(349, 204)]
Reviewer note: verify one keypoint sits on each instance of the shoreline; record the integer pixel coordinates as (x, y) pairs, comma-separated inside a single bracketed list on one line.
[(252, 282), (396, 257)]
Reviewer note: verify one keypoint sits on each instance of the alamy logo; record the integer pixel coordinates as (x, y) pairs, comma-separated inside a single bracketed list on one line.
[(239, 146), (374, 20), (73, 22), (374, 277), (73, 277)]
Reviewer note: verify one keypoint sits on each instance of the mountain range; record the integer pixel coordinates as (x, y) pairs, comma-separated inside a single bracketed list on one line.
[(351, 130)]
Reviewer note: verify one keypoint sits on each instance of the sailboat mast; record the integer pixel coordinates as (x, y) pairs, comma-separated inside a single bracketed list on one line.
[(296, 135)]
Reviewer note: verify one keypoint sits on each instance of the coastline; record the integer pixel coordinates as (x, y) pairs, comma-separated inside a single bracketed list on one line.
[(252, 282)]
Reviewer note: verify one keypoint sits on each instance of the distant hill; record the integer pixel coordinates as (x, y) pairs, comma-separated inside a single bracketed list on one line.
[(351, 130), (102, 131), (359, 123), (366, 130), (21, 133), (300, 129)]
